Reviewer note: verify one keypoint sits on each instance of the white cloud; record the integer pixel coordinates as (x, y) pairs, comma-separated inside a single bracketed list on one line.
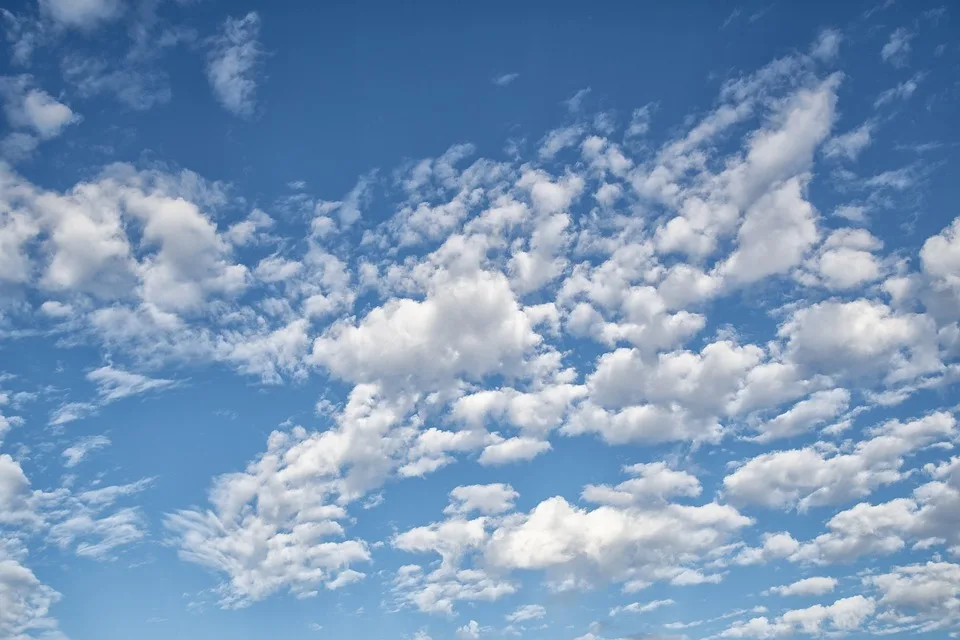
[(827, 45), (575, 102), (98, 537), (897, 49), (79, 450), (867, 339), (820, 475), (560, 139), (527, 612), (805, 415), (82, 14), (25, 603), (816, 586), (640, 121), (31, 108), (928, 518), (902, 91), (505, 79), (679, 396), (470, 326), (516, 449), (233, 64), (114, 384), (488, 499), (72, 411), (469, 631), (292, 502), (641, 607), (653, 481), (846, 259), (847, 614), (849, 145), (929, 591)]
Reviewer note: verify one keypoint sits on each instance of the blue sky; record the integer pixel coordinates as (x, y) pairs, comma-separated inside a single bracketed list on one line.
[(631, 322)]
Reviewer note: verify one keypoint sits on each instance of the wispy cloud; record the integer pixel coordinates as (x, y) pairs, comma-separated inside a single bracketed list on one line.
[(114, 384), (505, 79), (82, 448), (233, 63)]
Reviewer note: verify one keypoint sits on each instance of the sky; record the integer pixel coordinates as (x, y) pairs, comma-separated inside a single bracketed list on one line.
[(430, 321)]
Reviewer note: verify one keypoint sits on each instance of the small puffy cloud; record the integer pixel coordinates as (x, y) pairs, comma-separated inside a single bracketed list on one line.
[(653, 481), (471, 326), (28, 107), (469, 631), (816, 586), (488, 499), (233, 63), (516, 449), (640, 121)]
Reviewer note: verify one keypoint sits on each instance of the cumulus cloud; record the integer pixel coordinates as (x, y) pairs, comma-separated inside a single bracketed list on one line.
[(816, 586), (819, 475), (34, 109)]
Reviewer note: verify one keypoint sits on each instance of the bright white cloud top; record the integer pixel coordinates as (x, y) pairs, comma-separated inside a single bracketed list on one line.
[(651, 369)]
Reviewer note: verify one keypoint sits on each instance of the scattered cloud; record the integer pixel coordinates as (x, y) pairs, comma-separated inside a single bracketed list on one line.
[(505, 79)]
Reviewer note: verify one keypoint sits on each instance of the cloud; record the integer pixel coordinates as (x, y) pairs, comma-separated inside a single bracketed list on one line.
[(505, 79), (114, 384), (517, 449), (815, 476), (527, 612), (827, 45), (641, 607), (902, 91), (488, 499), (25, 602), (816, 586), (473, 327), (575, 102), (641, 543), (847, 614), (897, 49), (233, 64), (79, 450), (850, 144), (72, 411), (82, 14), (31, 108)]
